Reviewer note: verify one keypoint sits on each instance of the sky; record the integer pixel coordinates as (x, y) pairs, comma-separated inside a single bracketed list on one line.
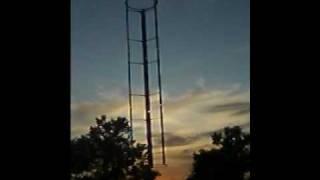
[(205, 67)]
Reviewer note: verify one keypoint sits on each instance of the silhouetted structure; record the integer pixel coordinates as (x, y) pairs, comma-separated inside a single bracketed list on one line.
[(144, 11), (231, 161), (108, 153)]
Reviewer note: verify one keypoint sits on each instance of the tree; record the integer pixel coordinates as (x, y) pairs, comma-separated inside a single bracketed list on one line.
[(107, 153), (229, 161)]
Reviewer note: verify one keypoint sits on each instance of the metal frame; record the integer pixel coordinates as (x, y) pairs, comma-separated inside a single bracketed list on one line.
[(145, 63), (135, 9)]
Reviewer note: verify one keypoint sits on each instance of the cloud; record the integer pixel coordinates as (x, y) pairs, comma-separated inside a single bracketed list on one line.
[(201, 83), (238, 108), (174, 140), (241, 112), (193, 112), (83, 114)]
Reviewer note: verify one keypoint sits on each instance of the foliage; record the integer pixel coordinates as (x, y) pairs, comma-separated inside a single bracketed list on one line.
[(106, 153), (230, 161)]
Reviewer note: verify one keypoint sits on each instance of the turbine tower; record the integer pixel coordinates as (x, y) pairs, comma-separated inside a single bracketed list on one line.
[(142, 33)]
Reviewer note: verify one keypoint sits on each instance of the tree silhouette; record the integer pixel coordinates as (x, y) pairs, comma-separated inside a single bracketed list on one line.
[(106, 153), (229, 161)]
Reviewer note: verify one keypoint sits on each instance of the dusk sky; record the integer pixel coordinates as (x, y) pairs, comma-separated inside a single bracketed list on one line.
[(205, 58)]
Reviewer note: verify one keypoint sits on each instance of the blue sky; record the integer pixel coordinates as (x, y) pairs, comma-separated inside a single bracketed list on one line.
[(205, 58), (203, 39)]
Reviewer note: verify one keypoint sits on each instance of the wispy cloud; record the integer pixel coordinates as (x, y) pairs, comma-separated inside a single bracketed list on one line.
[(174, 140), (193, 112), (237, 107)]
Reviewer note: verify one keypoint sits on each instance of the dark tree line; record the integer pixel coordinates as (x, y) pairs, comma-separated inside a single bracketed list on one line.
[(106, 153)]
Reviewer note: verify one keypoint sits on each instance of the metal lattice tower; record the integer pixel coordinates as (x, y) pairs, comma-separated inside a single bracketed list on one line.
[(144, 11)]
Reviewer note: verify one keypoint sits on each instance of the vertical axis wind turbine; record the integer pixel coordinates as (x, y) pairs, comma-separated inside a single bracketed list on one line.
[(144, 11)]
